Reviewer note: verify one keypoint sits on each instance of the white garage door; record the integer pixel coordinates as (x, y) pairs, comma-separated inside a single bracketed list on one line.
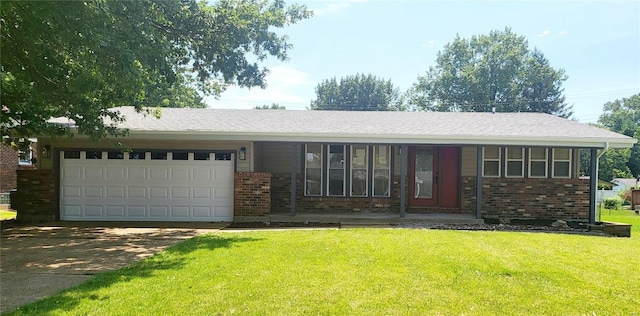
[(146, 186)]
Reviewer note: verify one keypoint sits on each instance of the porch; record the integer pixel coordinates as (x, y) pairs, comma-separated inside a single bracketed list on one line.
[(372, 219)]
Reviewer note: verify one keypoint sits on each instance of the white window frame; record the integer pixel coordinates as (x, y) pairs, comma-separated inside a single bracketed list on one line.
[(344, 171), (499, 160), (545, 160), (388, 169), (28, 155), (507, 160), (321, 169), (366, 170), (554, 160)]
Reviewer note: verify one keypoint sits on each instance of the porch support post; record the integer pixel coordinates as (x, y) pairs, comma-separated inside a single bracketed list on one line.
[(593, 185), (294, 163), (479, 183), (404, 154)]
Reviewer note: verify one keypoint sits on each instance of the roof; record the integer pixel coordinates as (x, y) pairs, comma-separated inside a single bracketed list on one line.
[(532, 129), (626, 182)]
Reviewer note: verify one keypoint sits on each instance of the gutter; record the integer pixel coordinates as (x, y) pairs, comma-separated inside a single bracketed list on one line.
[(597, 175)]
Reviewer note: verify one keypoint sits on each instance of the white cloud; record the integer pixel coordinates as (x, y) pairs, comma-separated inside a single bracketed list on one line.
[(333, 6), (544, 33), (285, 85), (430, 44), (562, 33)]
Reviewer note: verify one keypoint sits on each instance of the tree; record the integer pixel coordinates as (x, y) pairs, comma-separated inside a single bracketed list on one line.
[(356, 93), (273, 106), (496, 70), (623, 116), (78, 59)]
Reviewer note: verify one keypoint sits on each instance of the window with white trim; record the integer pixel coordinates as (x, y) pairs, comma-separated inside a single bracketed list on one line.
[(25, 158), (336, 170), (313, 170), (538, 158), (515, 162), (491, 161), (359, 170), (561, 164), (381, 171)]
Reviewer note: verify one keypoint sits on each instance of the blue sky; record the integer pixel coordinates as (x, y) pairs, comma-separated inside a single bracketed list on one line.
[(596, 43)]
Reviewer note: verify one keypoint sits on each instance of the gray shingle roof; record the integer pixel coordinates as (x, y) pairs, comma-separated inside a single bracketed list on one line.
[(372, 127)]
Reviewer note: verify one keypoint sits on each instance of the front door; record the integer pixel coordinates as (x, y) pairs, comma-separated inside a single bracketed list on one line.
[(433, 176)]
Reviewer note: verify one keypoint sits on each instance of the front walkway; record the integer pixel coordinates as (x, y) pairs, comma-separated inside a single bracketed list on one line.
[(373, 219)]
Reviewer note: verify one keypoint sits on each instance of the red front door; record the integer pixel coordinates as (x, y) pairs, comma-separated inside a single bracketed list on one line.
[(433, 176)]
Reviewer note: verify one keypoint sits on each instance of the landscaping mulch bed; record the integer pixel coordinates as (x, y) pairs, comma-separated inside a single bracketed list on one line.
[(283, 225)]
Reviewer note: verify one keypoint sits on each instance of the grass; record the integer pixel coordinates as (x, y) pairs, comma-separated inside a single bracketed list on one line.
[(6, 215), (622, 216), (368, 271)]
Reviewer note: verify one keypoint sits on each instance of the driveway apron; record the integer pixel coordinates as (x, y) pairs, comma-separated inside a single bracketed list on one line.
[(37, 261)]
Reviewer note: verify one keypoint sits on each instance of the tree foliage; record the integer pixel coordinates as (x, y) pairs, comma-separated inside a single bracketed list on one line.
[(77, 59), (273, 106), (623, 116), (356, 93), (496, 70)]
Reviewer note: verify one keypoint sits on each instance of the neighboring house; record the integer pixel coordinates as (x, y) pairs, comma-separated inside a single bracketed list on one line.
[(621, 184), (225, 165), (10, 161)]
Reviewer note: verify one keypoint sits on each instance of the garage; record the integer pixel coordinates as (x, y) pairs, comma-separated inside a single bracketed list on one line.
[(146, 185)]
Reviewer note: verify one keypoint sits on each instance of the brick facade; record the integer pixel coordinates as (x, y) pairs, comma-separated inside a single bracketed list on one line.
[(8, 167), (36, 199), (252, 193), (508, 198)]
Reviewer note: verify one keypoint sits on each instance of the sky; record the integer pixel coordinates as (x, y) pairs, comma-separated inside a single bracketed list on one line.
[(596, 43)]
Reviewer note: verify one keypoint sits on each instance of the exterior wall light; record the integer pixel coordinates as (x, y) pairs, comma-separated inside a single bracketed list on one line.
[(242, 155), (46, 151)]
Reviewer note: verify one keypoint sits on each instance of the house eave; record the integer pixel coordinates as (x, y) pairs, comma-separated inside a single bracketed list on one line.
[(389, 139)]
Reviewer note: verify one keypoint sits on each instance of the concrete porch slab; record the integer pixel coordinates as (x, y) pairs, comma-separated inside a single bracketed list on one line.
[(375, 219)]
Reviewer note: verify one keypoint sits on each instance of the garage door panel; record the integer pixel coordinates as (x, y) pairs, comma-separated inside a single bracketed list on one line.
[(146, 190), (180, 193), (116, 211), (93, 210), (93, 192), (136, 211)]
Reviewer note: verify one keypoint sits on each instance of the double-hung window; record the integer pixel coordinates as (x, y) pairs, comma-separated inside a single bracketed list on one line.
[(313, 170), (335, 165), (359, 170), (515, 162), (491, 161), (561, 166), (381, 170), (538, 162)]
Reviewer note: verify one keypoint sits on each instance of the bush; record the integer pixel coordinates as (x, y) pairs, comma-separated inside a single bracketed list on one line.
[(612, 203), (625, 196)]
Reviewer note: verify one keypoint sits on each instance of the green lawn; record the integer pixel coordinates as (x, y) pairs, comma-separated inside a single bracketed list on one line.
[(4, 215), (623, 216), (369, 271)]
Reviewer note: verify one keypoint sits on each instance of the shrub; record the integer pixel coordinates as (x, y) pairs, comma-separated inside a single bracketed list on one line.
[(625, 196), (613, 203)]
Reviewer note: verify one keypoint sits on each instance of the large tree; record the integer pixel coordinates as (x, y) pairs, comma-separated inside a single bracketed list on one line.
[(77, 59), (358, 92), (495, 70), (623, 116)]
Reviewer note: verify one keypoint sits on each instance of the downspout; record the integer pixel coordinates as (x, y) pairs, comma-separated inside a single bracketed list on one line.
[(606, 148)]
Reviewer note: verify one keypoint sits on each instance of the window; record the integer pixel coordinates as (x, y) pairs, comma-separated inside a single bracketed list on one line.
[(313, 170), (491, 161), (158, 155), (115, 155), (71, 154), (515, 162), (359, 170), (538, 162), (223, 156), (335, 166), (25, 157), (179, 156), (137, 155), (93, 154), (202, 156), (561, 167), (381, 170)]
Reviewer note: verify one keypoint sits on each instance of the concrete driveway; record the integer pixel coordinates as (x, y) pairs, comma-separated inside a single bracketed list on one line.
[(37, 261)]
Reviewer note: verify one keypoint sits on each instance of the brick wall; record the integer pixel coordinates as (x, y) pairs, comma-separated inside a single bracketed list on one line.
[(505, 198), (35, 199), (252, 193), (8, 166)]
